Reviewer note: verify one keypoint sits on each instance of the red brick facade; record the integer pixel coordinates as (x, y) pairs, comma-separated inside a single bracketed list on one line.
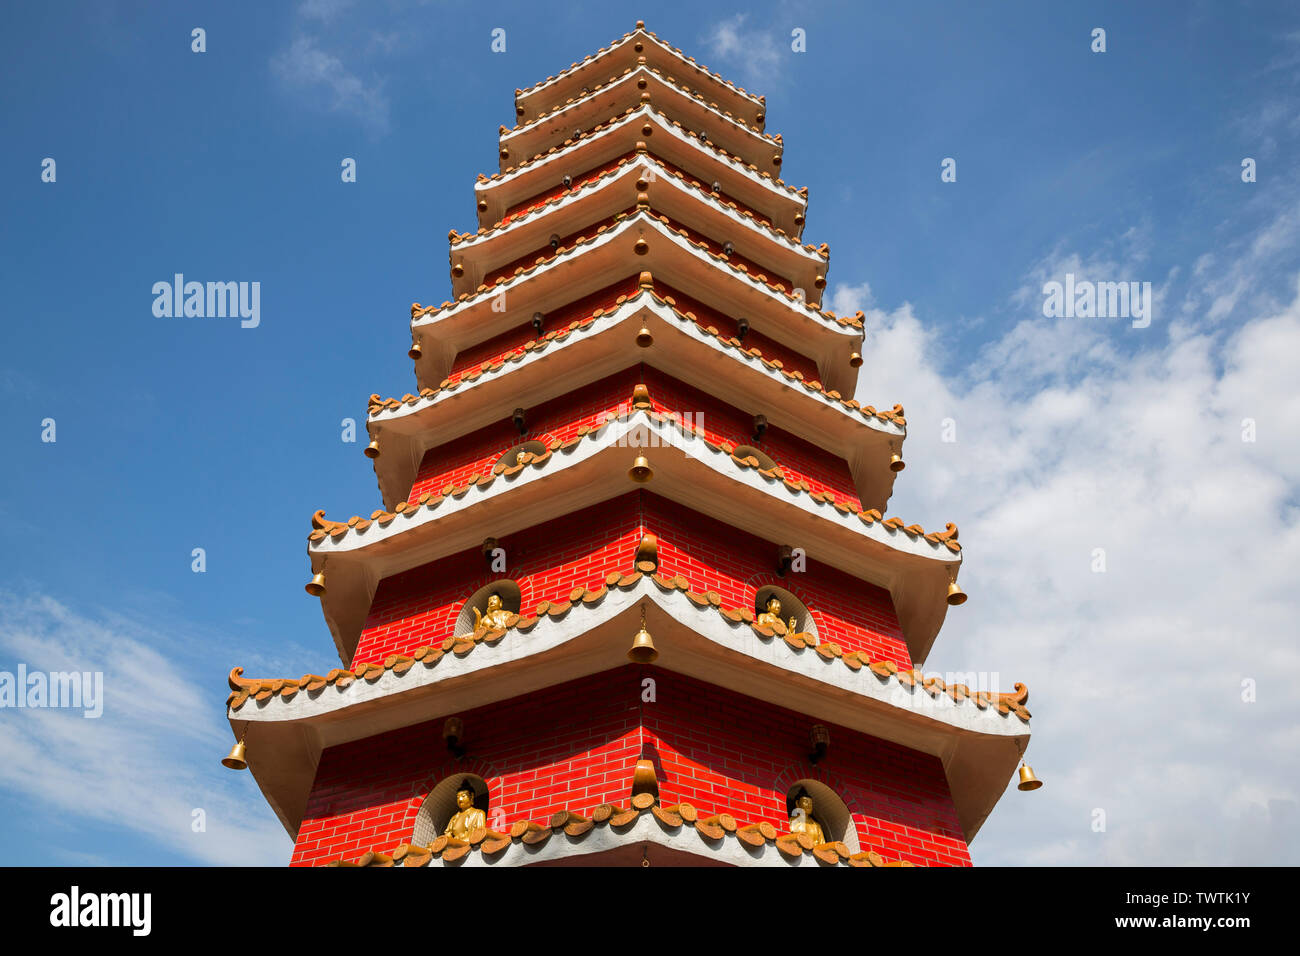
[(419, 607), (714, 749), (561, 418)]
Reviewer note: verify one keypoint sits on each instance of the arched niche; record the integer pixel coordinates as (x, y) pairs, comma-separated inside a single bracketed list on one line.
[(509, 456), (511, 599), (791, 607), (437, 809), (828, 810), (749, 451)]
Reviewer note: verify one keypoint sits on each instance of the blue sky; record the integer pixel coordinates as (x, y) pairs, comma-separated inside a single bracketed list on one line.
[(174, 433)]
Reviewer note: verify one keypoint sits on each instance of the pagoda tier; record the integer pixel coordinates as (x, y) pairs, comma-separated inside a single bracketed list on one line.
[(481, 258), (544, 368), (576, 581), (633, 411), (607, 264), (639, 48), (598, 149)]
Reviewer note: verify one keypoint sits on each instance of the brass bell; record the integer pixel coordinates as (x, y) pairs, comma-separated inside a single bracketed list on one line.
[(235, 759), (640, 472), (414, 351), (316, 586), (641, 247), (955, 594), (896, 462), (458, 270), (643, 646), (1027, 779), (644, 338), (372, 450), (855, 360)]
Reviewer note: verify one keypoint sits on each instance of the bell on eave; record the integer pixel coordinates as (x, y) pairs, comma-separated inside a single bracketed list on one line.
[(640, 472), (235, 760), (1027, 779), (316, 586)]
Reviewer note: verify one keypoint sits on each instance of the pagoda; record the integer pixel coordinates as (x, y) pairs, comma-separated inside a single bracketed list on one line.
[(631, 597)]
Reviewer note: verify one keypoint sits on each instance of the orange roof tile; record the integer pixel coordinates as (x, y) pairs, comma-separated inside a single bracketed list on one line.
[(242, 688), (577, 825)]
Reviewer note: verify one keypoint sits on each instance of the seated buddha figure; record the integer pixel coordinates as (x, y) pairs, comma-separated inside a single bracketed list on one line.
[(497, 617), (467, 817), (803, 821), (772, 615)]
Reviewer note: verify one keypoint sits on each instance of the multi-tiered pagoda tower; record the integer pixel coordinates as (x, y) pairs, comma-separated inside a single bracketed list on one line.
[(633, 429)]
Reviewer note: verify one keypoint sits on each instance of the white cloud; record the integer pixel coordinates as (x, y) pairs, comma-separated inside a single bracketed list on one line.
[(755, 53), (1078, 434), (148, 761), (328, 84)]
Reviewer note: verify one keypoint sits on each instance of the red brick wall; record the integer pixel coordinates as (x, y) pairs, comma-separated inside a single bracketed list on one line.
[(419, 607), (717, 750), (455, 461)]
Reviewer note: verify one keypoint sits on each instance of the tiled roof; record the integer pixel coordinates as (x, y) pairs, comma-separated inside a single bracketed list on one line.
[(337, 529), (577, 826), (457, 237), (640, 25), (740, 271), (627, 115), (541, 343), (672, 81), (261, 689)]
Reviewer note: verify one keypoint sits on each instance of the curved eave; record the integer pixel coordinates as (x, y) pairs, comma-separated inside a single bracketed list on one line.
[(554, 129), (607, 258), (682, 349), (479, 255), (914, 569), (621, 55), (763, 194), (979, 748)]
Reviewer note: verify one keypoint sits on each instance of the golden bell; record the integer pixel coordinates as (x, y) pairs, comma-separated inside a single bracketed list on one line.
[(955, 594), (896, 462), (855, 360), (1027, 779), (643, 647), (640, 472), (641, 247), (235, 759), (316, 586), (414, 351), (644, 338), (372, 450)]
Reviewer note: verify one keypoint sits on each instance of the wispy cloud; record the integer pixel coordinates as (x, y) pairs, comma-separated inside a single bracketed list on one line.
[(753, 52), (327, 83), (149, 761), (1083, 434)]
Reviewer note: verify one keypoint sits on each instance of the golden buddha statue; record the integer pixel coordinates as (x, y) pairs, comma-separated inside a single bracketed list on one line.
[(519, 458), (792, 626), (802, 820), (467, 818), (772, 615), (497, 617)]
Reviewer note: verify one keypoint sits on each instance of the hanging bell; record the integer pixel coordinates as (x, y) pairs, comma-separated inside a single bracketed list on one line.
[(855, 360), (955, 594), (896, 462), (640, 472), (414, 351), (372, 450), (1027, 779), (316, 586), (235, 759), (642, 650), (644, 338)]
